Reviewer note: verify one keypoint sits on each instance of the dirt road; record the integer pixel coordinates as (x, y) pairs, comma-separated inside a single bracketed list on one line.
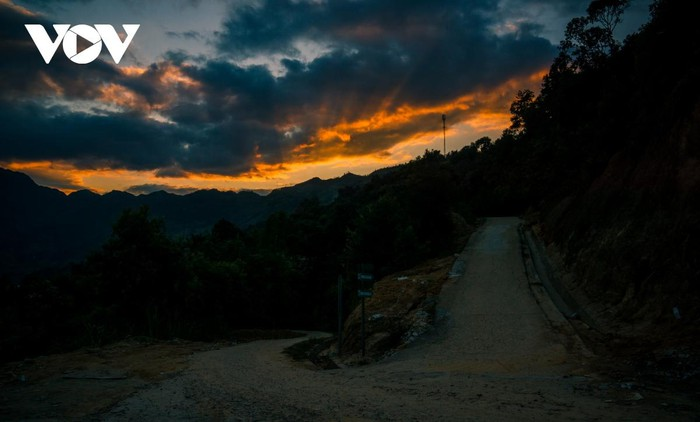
[(493, 357)]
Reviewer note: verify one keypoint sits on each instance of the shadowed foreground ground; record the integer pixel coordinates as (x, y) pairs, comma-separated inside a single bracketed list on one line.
[(494, 357)]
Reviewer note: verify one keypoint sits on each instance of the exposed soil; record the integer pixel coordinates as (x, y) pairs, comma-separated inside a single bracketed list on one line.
[(91, 380), (88, 381), (402, 308)]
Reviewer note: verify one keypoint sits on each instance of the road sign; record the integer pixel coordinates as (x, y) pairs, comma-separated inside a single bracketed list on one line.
[(364, 277), (364, 293)]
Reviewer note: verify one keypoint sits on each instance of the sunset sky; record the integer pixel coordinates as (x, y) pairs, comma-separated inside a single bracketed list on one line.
[(258, 94)]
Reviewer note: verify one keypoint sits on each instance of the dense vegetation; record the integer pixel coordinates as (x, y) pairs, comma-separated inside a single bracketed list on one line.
[(605, 157), (278, 274)]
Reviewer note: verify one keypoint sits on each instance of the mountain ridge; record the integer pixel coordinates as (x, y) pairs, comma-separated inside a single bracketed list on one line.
[(44, 227)]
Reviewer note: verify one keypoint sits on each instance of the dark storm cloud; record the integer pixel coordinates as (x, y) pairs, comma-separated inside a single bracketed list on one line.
[(188, 35), (172, 171), (405, 52), (434, 50), (35, 131), (182, 4), (249, 93), (562, 7), (114, 140), (49, 4), (229, 148), (376, 56), (25, 73), (381, 55), (36, 3), (151, 87), (35, 127), (274, 25)]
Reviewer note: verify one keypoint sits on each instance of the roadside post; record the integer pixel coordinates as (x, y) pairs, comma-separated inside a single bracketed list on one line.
[(363, 293), (340, 314)]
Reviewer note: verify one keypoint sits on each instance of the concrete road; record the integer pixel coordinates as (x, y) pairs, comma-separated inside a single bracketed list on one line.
[(494, 357)]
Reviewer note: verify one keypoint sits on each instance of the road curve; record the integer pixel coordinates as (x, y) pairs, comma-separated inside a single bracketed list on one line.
[(493, 357)]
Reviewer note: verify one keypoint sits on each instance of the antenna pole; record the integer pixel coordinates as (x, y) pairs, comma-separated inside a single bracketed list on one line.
[(444, 143)]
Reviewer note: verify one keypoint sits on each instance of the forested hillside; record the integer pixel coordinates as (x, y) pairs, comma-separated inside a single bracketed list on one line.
[(612, 143), (42, 228), (605, 160)]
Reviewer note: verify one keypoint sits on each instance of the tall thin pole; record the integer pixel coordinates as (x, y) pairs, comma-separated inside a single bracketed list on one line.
[(444, 142), (363, 326), (340, 314)]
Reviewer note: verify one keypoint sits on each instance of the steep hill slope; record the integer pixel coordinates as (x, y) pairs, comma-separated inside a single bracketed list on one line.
[(631, 237)]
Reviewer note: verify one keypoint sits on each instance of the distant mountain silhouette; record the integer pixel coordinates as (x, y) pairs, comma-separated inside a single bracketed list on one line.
[(42, 227)]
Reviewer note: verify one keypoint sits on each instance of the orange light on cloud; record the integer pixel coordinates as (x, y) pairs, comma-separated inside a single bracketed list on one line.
[(480, 113), (329, 135), (17, 8), (173, 76), (123, 97), (133, 70), (170, 77), (486, 121), (264, 176), (50, 83)]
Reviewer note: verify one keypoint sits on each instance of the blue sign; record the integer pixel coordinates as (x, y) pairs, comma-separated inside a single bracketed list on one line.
[(364, 277), (364, 293)]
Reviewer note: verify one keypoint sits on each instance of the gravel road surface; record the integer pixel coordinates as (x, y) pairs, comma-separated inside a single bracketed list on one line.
[(494, 356)]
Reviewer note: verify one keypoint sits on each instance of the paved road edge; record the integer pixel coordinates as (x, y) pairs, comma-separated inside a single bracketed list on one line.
[(556, 310)]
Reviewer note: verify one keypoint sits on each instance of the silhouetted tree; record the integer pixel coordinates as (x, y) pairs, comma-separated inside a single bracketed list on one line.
[(483, 144), (589, 40), (521, 111), (139, 275)]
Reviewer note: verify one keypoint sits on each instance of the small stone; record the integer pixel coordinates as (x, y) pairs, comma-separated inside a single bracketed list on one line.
[(635, 397), (676, 312)]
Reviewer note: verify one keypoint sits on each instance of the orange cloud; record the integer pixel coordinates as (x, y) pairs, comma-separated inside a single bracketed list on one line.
[(400, 134), (133, 70), (123, 97), (485, 110), (51, 84), (167, 79), (17, 8), (173, 76)]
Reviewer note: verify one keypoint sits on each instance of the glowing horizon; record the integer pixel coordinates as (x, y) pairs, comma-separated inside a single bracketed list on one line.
[(489, 121)]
